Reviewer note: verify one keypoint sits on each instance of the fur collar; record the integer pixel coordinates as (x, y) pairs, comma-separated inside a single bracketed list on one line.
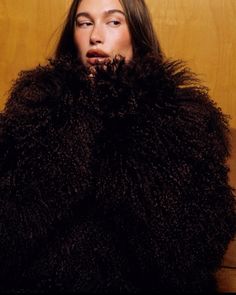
[(122, 89), (117, 91), (167, 93)]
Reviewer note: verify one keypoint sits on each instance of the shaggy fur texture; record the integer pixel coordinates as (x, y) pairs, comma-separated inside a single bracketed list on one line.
[(113, 183)]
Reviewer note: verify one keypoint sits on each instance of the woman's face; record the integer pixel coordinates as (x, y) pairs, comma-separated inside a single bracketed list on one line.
[(101, 31)]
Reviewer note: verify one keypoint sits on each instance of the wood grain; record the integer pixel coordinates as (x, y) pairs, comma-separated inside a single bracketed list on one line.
[(227, 280), (29, 30)]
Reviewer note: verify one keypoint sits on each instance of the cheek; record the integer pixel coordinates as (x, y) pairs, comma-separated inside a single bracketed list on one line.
[(122, 42), (80, 41)]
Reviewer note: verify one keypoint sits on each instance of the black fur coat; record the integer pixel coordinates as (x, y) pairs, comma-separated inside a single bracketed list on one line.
[(113, 183)]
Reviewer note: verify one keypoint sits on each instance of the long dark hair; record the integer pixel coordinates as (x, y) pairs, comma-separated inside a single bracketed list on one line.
[(144, 39)]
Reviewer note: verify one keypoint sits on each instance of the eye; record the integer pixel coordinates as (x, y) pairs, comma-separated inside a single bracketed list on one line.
[(114, 23), (83, 24)]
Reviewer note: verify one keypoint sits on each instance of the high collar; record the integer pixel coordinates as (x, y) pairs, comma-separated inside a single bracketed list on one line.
[(118, 88)]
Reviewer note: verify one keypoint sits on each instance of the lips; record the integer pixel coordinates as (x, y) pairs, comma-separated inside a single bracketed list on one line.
[(96, 56)]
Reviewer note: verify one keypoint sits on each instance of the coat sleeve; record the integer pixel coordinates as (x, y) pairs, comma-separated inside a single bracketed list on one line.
[(36, 186), (163, 187), (23, 219)]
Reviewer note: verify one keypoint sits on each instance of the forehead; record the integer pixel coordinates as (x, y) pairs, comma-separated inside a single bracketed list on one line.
[(99, 6)]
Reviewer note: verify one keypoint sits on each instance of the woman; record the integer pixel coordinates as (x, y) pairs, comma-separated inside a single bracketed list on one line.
[(113, 172)]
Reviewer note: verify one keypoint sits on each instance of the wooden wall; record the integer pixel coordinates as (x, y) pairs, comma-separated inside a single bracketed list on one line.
[(201, 32), (28, 30)]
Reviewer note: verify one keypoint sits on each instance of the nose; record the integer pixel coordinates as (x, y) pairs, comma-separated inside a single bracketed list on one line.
[(97, 35)]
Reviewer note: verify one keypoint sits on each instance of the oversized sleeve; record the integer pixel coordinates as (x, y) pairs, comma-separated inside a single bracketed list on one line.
[(38, 166), (24, 216), (163, 180)]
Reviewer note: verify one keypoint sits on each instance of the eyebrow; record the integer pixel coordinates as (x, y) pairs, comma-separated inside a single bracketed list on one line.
[(107, 12)]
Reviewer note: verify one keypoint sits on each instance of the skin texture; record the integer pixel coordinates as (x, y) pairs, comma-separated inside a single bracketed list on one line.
[(99, 27)]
